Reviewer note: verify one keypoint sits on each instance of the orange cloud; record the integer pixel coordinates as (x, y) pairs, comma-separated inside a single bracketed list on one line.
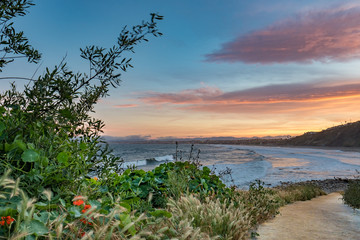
[(323, 35), (125, 105)]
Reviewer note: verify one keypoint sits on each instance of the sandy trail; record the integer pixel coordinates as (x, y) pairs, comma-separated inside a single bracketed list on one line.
[(325, 217)]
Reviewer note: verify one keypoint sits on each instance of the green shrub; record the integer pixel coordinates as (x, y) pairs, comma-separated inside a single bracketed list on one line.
[(44, 157), (298, 192), (165, 181), (352, 194), (262, 203)]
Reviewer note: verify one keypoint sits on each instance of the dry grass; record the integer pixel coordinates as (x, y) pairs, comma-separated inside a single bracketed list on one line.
[(218, 220)]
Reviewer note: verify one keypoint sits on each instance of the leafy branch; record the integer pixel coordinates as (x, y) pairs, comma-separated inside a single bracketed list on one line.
[(14, 44)]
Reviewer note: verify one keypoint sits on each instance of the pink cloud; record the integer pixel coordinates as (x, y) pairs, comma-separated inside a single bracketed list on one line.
[(267, 99), (323, 35), (125, 105)]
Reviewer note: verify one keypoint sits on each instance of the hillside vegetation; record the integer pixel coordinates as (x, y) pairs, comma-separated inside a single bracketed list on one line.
[(346, 135)]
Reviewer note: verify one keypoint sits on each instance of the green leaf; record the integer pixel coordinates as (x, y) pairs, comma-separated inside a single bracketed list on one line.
[(83, 146), (44, 161), (42, 217), (41, 204), (62, 202), (37, 227), (66, 113), (74, 211), (2, 127), (19, 144), (30, 237), (126, 206), (30, 155), (31, 146), (161, 213), (63, 157), (34, 227)]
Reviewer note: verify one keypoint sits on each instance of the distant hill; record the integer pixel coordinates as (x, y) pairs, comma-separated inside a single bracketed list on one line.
[(346, 135)]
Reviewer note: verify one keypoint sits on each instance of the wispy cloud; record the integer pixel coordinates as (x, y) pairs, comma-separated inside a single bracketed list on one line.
[(128, 138), (271, 98), (189, 96), (321, 35), (125, 105)]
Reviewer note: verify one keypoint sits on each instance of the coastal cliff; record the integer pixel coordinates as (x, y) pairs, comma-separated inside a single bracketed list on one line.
[(346, 135)]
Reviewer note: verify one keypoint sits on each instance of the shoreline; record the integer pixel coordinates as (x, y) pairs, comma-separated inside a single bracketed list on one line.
[(264, 143), (344, 149)]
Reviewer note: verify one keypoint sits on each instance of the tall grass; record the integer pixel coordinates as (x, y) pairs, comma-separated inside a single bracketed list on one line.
[(215, 219)]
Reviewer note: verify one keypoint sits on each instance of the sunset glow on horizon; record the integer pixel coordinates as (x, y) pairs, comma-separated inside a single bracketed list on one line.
[(222, 69)]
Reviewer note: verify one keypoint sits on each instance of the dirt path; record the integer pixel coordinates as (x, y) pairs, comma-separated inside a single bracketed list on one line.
[(325, 217)]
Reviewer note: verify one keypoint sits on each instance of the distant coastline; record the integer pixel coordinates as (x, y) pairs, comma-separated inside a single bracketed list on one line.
[(343, 137)]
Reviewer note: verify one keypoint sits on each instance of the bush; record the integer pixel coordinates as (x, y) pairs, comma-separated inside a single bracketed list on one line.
[(167, 180), (298, 192), (262, 203), (352, 194)]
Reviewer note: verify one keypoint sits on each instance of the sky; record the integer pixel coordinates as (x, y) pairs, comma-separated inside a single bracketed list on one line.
[(222, 68)]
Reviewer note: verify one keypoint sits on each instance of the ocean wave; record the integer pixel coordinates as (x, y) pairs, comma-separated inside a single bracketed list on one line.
[(150, 161), (243, 174)]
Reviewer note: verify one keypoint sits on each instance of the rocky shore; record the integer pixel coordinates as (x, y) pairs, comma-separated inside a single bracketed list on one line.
[(327, 185)]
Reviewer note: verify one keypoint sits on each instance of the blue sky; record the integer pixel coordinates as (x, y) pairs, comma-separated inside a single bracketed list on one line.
[(204, 77)]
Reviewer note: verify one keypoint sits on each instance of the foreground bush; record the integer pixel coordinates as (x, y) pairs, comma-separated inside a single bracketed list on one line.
[(169, 180), (352, 194)]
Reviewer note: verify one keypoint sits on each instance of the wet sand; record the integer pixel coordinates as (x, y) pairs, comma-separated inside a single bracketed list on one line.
[(325, 217)]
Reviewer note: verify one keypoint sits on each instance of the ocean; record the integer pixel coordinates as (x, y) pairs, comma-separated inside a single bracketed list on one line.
[(272, 165)]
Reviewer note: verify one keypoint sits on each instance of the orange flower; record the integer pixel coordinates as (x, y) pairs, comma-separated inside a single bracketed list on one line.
[(78, 202), (95, 178), (83, 220), (87, 207), (7, 219), (81, 231)]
